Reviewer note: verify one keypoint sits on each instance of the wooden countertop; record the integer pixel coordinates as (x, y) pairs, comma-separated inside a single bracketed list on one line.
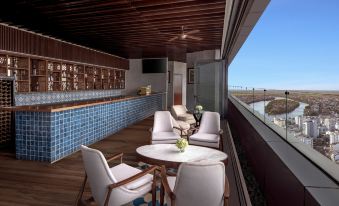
[(57, 107)]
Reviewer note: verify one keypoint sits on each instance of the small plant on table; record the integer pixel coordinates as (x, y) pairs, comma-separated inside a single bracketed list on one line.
[(181, 144)]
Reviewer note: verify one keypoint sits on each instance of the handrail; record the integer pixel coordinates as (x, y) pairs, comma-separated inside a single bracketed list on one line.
[(331, 169)]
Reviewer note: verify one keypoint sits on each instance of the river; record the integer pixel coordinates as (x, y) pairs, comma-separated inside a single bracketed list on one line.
[(260, 107)]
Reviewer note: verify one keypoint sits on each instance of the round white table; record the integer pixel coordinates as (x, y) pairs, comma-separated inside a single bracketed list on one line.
[(170, 156)]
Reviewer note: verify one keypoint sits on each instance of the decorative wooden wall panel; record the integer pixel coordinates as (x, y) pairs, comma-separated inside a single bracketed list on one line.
[(40, 75), (6, 99), (17, 40)]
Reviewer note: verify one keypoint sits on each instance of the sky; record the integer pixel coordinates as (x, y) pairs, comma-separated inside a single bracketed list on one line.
[(294, 45)]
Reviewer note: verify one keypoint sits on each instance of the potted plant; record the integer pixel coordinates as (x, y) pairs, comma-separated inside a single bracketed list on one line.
[(198, 109), (181, 144)]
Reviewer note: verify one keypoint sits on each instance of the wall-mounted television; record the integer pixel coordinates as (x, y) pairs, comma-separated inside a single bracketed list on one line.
[(154, 65)]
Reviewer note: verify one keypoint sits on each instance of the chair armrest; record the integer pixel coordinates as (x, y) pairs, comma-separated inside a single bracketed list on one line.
[(115, 157), (165, 183), (178, 128), (134, 177), (193, 130), (126, 181)]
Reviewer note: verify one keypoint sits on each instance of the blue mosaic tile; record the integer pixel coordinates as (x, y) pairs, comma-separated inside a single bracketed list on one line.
[(55, 97), (44, 136)]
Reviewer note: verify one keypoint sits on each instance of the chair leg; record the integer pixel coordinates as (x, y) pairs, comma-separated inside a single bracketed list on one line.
[(154, 189), (225, 201), (221, 144), (162, 194), (81, 192)]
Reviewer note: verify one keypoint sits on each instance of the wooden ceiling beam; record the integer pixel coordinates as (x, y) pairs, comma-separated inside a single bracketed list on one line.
[(143, 3), (159, 23), (114, 6), (133, 20), (171, 28), (157, 42), (116, 13), (59, 8)]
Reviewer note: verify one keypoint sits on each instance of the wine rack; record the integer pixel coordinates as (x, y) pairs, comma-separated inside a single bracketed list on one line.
[(105, 78), (66, 77), (54, 76), (19, 69), (39, 75), (89, 76), (111, 79), (97, 78), (6, 99), (80, 72), (3, 65), (119, 82)]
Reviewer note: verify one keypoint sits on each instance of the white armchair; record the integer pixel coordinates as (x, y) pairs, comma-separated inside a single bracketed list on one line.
[(184, 127), (116, 185), (198, 183), (209, 133), (163, 129), (180, 113)]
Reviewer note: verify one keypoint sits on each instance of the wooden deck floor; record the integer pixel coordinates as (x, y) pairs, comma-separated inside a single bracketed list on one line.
[(35, 183)]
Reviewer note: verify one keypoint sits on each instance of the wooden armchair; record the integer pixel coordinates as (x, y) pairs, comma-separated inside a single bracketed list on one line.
[(117, 185), (205, 183), (163, 129), (209, 133)]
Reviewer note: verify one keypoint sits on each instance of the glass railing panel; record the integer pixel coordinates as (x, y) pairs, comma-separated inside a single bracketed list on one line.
[(309, 121), (314, 125)]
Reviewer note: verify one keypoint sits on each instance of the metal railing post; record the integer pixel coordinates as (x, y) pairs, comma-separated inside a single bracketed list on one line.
[(286, 94)]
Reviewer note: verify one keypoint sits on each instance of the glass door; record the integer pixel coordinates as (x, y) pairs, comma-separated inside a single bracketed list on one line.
[(208, 85)]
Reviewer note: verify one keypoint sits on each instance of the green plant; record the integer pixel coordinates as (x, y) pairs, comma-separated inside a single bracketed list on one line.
[(199, 107), (181, 144)]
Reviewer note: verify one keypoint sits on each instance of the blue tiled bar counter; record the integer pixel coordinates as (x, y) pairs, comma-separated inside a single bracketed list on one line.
[(49, 133)]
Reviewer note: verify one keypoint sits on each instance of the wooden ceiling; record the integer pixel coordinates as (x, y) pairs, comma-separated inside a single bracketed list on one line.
[(128, 28)]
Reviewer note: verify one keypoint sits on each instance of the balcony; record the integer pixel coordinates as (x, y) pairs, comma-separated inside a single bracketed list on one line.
[(284, 163), (59, 183), (58, 67), (269, 162)]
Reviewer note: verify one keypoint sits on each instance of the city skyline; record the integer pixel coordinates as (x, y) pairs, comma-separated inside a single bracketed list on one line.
[(294, 46)]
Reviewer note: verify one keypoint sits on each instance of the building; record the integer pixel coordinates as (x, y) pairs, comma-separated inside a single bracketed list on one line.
[(333, 137), (307, 141), (322, 129), (310, 128), (336, 126), (329, 123), (280, 122), (299, 121)]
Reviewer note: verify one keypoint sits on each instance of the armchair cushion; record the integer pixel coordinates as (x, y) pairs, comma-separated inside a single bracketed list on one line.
[(124, 171), (184, 126), (212, 138), (165, 136), (196, 183), (204, 144), (178, 110), (185, 117), (171, 141)]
